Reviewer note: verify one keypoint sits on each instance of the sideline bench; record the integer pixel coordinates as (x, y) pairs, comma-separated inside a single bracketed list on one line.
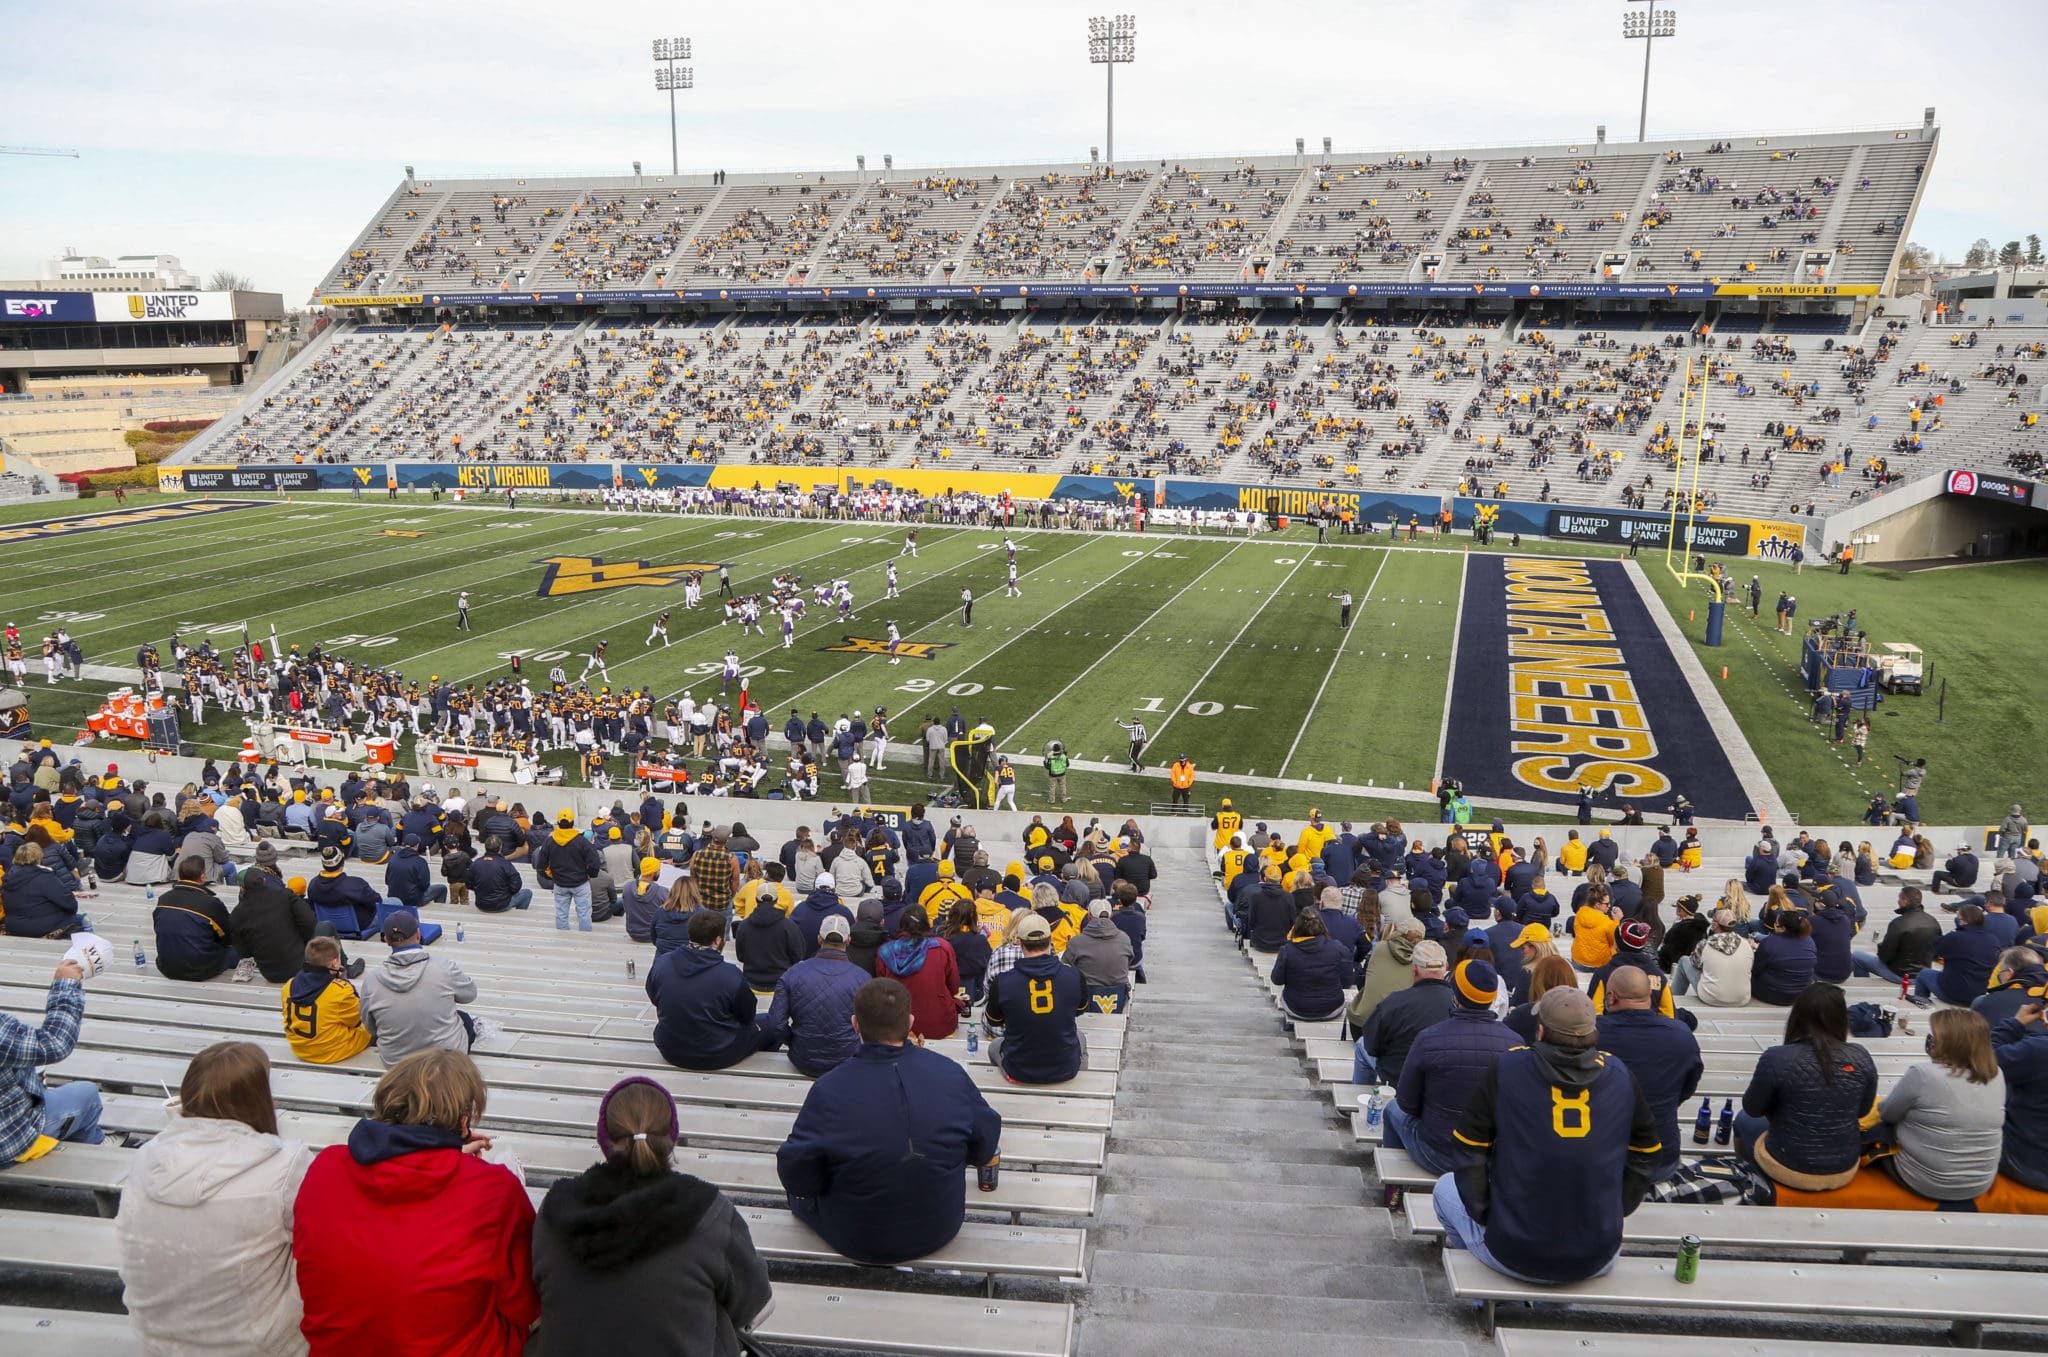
[(1964, 1298)]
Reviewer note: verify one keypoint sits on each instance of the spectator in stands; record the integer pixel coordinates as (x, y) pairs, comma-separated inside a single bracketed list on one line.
[(926, 967), (408, 879), (1267, 913), (766, 942), (811, 912), (1782, 967), (1685, 934), (1907, 947), (1760, 869), (570, 864), (39, 901), (1546, 973), (1964, 960), (341, 898), (1660, 1051), (1594, 925), (2019, 980), (1717, 973), (1313, 969), (713, 869), (704, 1009), (29, 1110), (149, 858), (323, 1015), (876, 1162), (1946, 1115), (813, 1006), (1959, 870), (1443, 1067), (1635, 943), (1388, 970), (1403, 1016), (1038, 1045), (205, 1224), (643, 900), (192, 927), (1530, 1167), (1101, 952), (2020, 1044), (495, 882), (272, 923), (410, 1001), (407, 1238), (637, 1257), (1801, 1116)]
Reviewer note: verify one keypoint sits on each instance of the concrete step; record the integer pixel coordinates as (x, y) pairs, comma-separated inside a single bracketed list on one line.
[(1257, 1276), (1277, 1326), (1254, 1189), (1150, 1165), (1118, 1208), (1119, 1336), (1335, 1149)]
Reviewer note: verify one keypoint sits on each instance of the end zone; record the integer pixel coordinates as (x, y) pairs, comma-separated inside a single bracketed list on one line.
[(1561, 676), (122, 518)]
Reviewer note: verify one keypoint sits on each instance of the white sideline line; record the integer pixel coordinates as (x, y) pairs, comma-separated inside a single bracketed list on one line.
[(1159, 733), (1025, 724), (1443, 728), (1332, 671)]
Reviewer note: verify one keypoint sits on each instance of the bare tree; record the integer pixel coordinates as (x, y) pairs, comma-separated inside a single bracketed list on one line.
[(227, 280), (1915, 258)]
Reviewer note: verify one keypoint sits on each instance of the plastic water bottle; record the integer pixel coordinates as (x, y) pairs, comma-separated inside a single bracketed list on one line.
[(973, 1039), (1375, 1111), (1703, 1125), (458, 931), (149, 895), (632, 969), (141, 958)]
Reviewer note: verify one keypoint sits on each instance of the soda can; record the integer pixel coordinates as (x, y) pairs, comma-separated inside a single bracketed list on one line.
[(1688, 1269)]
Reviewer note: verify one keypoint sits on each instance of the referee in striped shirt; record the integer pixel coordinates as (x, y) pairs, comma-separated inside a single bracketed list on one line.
[(1135, 728)]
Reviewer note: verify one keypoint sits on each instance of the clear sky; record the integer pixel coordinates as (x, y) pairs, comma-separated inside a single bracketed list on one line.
[(261, 137)]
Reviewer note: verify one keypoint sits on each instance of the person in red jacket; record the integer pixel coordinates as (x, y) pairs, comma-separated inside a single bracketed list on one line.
[(929, 969), (408, 1242)]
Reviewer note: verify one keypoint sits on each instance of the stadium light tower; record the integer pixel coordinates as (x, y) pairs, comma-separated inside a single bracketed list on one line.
[(1649, 25), (671, 77), (1112, 42)]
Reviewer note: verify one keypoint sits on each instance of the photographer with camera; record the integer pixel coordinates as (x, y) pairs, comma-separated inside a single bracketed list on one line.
[(1911, 776)]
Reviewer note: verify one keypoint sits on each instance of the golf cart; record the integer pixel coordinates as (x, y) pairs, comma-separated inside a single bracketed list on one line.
[(1900, 668)]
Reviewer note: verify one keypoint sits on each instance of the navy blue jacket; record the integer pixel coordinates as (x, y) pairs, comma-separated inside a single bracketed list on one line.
[(1520, 878), (1606, 852), (493, 882), (1040, 1046), (38, 901), (1967, 957), (1507, 958), (1664, 1056), (1781, 968), (705, 1012), (1444, 1065), (191, 934), (671, 930), (876, 1162), (920, 840), (1313, 975), (1759, 874), (339, 889), (1532, 908), (407, 878), (1833, 931), (567, 862), (1340, 858), (813, 1008), (2023, 1058), (1399, 1019)]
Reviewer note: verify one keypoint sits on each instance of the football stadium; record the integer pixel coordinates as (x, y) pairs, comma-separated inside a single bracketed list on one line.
[(1293, 750)]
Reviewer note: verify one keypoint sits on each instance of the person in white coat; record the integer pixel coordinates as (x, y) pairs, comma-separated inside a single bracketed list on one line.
[(205, 1226)]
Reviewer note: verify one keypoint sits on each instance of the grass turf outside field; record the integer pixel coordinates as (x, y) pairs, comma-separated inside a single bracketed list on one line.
[(1228, 648), (1971, 622)]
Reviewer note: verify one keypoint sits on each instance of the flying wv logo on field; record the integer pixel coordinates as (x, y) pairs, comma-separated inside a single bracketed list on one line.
[(587, 574), (905, 650)]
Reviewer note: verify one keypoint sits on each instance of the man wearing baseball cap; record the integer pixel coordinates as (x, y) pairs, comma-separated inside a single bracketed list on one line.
[(812, 1012), (1443, 1067), (1036, 1003), (410, 999), (569, 862), (1553, 1132), (1632, 948)]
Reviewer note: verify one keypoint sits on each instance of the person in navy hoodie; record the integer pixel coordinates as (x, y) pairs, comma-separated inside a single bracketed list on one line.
[(1833, 932), (812, 910), (704, 1009), (1660, 1052), (407, 878), (1966, 956), (1443, 1067), (876, 1162)]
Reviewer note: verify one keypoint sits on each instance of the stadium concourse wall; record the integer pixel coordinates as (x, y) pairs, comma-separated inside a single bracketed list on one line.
[(1709, 534), (1942, 514)]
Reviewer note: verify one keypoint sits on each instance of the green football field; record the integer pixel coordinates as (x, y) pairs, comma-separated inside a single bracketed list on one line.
[(1228, 648)]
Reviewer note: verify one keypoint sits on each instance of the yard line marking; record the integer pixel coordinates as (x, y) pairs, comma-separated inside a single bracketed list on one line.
[(1026, 723), (1443, 728), (1331, 672), (991, 654), (1160, 733)]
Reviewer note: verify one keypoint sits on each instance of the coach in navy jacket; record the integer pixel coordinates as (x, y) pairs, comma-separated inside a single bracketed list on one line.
[(876, 1162)]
